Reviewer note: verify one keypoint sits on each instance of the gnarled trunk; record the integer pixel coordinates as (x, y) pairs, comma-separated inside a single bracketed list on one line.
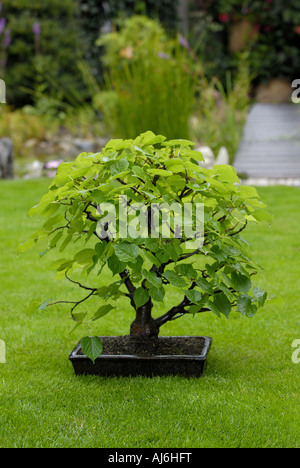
[(144, 324)]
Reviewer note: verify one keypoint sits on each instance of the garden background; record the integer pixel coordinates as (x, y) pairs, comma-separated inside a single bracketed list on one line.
[(80, 72)]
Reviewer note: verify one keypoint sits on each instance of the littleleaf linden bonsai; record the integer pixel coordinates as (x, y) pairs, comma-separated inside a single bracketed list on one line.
[(214, 276)]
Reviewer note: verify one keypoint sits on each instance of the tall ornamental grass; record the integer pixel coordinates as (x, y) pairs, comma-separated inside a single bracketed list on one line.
[(150, 82)]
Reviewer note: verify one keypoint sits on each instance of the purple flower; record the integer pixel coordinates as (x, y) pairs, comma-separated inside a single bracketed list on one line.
[(37, 29), (163, 55), (7, 39), (2, 24), (183, 42)]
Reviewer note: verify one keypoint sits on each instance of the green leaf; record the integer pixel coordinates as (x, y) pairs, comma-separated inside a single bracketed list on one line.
[(240, 282), (48, 225), (223, 304), (127, 252), (151, 257), (176, 165), (27, 245), (227, 173), (91, 347), (85, 257), (100, 248), (263, 216), (204, 285), (175, 279), (160, 172), (149, 138), (181, 143), (79, 317), (177, 183), (98, 196), (65, 265), (66, 242), (197, 155), (53, 242), (138, 171), (115, 265), (141, 297), (163, 256), (110, 291), (33, 305), (218, 253), (145, 153), (152, 244), (187, 270), (245, 306), (102, 311), (157, 294), (193, 295), (174, 250), (212, 306), (119, 166), (260, 296), (152, 278), (44, 305), (194, 309)]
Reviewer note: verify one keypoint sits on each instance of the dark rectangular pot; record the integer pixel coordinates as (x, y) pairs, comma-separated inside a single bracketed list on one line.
[(127, 356)]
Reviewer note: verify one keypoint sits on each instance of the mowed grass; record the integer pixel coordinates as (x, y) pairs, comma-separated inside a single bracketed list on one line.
[(247, 397)]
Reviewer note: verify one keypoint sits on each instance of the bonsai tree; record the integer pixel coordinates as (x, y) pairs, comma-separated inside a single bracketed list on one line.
[(105, 205)]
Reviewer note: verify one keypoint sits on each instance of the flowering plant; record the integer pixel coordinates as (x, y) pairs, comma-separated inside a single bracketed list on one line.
[(277, 27), (150, 80), (5, 40)]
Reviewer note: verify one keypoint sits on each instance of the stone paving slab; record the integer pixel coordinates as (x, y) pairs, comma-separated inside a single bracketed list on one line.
[(270, 147)]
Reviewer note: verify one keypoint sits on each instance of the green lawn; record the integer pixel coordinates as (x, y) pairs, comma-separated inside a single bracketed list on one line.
[(248, 396)]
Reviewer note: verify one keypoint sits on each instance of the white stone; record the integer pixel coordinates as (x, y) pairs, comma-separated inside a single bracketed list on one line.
[(6, 158), (208, 155), (223, 157)]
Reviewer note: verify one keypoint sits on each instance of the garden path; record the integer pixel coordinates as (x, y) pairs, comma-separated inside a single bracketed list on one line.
[(270, 145)]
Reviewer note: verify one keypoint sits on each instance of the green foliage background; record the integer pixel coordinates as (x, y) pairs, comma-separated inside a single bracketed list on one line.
[(275, 52), (69, 30), (60, 45)]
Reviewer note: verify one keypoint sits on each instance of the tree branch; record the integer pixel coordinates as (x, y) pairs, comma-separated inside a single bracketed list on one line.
[(129, 285), (76, 304), (177, 311), (79, 284)]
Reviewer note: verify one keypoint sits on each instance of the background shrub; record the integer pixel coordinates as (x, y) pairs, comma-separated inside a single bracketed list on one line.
[(150, 82), (44, 40), (108, 15), (275, 41)]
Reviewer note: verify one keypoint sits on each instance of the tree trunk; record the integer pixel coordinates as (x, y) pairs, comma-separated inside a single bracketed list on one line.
[(144, 325)]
